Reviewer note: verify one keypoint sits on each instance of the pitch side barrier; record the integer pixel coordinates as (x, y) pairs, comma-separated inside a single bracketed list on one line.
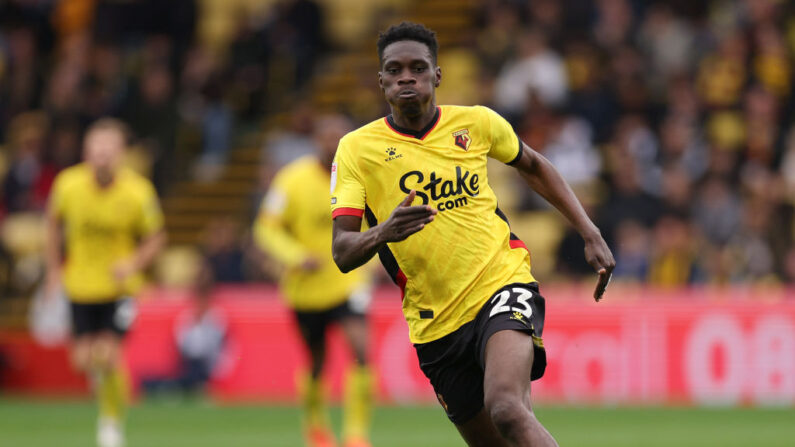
[(696, 346)]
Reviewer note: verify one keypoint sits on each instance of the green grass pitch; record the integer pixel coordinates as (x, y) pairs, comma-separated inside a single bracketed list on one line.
[(26, 423)]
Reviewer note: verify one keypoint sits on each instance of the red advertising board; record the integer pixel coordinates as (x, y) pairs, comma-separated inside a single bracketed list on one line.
[(692, 346)]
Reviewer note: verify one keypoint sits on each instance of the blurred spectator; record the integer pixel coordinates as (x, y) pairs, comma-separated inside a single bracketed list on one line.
[(537, 69), (717, 210), (634, 137), (723, 73), (673, 257), (28, 180), (681, 144), (626, 199), (223, 251), (294, 141), (668, 42), (590, 95), (200, 335), (613, 23), (570, 148), (495, 40), (750, 245), (298, 33), (216, 123), (632, 252), (677, 191), (151, 112)]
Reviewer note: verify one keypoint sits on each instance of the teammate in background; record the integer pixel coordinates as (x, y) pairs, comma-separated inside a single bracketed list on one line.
[(473, 308), (294, 226), (108, 222)]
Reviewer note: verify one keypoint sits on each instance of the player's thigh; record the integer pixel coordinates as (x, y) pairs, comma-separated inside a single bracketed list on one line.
[(356, 332), (353, 323), (80, 352), (312, 326), (481, 432), (508, 365), (84, 322), (450, 364), (106, 349)]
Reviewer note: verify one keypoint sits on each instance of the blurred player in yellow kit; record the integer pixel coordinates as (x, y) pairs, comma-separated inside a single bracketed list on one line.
[(104, 226), (294, 226)]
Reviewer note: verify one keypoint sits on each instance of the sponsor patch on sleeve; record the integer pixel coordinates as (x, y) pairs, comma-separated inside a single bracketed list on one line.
[(333, 177)]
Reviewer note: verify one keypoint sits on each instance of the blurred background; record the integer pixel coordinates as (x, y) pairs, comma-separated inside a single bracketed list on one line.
[(672, 120)]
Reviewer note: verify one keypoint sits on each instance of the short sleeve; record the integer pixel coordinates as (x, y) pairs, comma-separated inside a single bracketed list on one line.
[(505, 144), (151, 213), (347, 187)]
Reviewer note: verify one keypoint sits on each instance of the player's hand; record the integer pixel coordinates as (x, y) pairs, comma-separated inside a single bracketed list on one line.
[(601, 259), (124, 269), (406, 220), (310, 264)]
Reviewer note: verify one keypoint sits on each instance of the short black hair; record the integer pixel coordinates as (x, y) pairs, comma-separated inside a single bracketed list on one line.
[(408, 31)]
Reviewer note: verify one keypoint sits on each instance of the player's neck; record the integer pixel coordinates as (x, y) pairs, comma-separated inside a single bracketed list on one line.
[(416, 122), (104, 180)]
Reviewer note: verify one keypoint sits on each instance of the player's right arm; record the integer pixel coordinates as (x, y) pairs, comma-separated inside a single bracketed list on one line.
[(53, 241), (270, 230), (352, 248)]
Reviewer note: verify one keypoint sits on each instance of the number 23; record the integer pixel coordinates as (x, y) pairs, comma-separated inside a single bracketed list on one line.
[(522, 297)]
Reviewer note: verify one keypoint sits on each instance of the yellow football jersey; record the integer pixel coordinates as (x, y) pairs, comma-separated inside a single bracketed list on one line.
[(451, 267), (294, 223), (101, 227)]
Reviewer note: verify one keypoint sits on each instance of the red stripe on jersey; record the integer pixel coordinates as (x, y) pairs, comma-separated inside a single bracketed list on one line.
[(347, 212), (517, 243), (401, 282), (395, 130), (439, 118)]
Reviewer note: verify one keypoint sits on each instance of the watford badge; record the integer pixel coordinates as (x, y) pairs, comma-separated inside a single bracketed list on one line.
[(462, 138)]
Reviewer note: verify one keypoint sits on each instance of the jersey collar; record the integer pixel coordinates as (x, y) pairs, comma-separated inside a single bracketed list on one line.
[(421, 134)]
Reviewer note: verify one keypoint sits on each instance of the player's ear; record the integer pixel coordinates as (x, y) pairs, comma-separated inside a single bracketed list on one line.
[(381, 81), (438, 79)]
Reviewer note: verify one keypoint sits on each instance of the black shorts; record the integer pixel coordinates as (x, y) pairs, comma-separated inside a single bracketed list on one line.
[(113, 316), (313, 324), (455, 363)]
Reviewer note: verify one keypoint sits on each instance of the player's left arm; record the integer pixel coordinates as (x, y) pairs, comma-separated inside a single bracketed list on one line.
[(542, 176), (148, 248), (153, 239)]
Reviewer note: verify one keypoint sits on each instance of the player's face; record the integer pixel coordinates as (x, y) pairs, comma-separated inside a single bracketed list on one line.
[(104, 149), (409, 77)]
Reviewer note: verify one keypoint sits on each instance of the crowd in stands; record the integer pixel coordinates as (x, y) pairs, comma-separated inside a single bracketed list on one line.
[(673, 120), (185, 90)]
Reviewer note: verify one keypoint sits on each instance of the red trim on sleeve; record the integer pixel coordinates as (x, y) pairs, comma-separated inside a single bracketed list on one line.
[(401, 282), (517, 243), (347, 212)]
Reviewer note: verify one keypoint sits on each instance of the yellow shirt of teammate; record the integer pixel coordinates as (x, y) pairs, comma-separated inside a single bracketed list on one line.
[(101, 227), (294, 226), (449, 269)]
